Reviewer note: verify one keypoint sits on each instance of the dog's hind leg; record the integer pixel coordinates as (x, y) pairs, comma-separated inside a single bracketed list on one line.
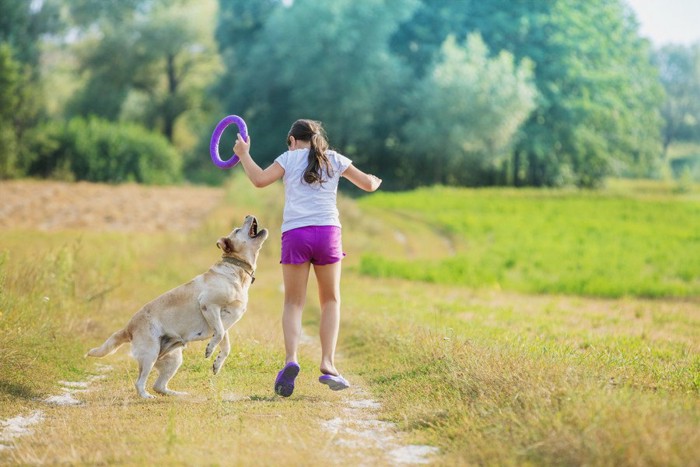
[(144, 349), (212, 315), (145, 367), (225, 349), (167, 366)]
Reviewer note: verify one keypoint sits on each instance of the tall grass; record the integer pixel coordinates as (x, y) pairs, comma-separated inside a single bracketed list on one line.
[(489, 376), (63, 292), (53, 288), (518, 380), (465, 358), (594, 244)]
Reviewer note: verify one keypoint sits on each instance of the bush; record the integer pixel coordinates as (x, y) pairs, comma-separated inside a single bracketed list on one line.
[(686, 167), (100, 151)]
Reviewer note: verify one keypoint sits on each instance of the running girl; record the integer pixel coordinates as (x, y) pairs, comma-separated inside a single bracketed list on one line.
[(311, 235)]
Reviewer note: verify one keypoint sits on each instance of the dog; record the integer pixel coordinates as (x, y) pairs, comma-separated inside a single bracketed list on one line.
[(205, 307)]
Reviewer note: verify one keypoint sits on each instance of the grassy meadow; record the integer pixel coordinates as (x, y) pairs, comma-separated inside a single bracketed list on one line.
[(502, 326), (552, 242)]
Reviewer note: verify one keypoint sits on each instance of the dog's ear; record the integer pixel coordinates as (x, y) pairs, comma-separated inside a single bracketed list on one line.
[(225, 244)]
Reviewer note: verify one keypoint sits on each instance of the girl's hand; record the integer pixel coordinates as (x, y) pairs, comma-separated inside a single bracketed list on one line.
[(374, 182), (242, 147)]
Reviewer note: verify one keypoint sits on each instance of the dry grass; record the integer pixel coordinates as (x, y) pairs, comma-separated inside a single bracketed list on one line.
[(496, 378), (490, 377), (52, 206), (93, 283)]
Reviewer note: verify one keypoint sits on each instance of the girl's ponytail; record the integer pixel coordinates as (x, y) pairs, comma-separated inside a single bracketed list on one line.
[(312, 131)]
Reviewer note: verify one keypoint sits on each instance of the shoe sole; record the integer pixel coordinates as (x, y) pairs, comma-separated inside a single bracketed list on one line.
[(334, 384), (283, 387)]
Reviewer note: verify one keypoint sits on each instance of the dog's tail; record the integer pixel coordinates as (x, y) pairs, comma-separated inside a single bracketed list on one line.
[(111, 345)]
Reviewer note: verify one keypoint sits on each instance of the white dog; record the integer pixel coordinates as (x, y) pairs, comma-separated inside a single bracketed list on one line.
[(207, 306)]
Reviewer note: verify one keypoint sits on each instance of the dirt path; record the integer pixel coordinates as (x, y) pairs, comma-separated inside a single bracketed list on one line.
[(355, 434), (359, 437)]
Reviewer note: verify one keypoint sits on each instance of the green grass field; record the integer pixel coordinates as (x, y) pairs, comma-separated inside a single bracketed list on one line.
[(503, 327), (593, 244)]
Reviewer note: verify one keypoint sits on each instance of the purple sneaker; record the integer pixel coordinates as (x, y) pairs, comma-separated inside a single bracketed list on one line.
[(336, 383), (284, 384)]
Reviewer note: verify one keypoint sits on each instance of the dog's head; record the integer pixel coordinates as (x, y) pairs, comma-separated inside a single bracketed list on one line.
[(244, 242)]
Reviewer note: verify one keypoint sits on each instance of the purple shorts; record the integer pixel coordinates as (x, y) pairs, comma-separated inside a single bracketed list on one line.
[(317, 244)]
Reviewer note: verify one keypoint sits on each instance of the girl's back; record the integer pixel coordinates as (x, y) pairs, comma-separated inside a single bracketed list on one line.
[(309, 204)]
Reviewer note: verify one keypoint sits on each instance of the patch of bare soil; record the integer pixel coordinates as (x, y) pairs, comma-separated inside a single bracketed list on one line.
[(49, 205)]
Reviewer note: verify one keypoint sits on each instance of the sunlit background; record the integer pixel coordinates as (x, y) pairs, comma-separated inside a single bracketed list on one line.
[(491, 93)]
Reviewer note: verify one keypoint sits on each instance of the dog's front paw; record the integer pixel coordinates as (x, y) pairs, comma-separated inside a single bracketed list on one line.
[(208, 351)]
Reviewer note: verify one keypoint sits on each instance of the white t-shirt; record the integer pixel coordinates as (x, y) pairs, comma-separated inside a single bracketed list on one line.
[(313, 204)]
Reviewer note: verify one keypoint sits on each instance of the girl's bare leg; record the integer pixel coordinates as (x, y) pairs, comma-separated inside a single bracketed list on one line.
[(328, 277), (295, 278)]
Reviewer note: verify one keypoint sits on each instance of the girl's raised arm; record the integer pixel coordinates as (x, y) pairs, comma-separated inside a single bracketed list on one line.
[(362, 180), (259, 177)]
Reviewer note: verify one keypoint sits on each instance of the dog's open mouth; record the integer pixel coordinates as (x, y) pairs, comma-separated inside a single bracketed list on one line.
[(253, 232)]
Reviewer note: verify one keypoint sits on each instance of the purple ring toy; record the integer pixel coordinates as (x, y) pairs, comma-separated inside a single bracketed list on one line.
[(216, 137)]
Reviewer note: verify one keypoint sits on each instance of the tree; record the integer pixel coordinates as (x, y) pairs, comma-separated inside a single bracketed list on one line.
[(91, 14), (419, 40), (679, 68), (468, 111), (21, 98), (598, 90), (23, 22), (145, 64), (322, 60), (176, 51), (240, 26)]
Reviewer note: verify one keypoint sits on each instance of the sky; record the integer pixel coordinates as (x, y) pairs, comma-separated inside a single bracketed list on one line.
[(668, 21)]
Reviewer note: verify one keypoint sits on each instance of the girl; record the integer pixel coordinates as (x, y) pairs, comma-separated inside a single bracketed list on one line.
[(310, 235)]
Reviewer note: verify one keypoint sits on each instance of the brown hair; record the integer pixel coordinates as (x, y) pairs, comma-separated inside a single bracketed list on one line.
[(312, 131)]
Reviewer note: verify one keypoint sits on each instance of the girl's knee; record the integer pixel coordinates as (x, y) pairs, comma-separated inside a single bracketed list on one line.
[(331, 303), (295, 307)]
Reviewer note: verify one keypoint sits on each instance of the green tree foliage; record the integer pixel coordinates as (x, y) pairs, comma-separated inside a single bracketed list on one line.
[(368, 69), (100, 151), (599, 92), (109, 66), (107, 52), (322, 60), (241, 24), (10, 81), (22, 22), (418, 41), (145, 63), (467, 112), (21, 98), (395, 92), (679, 68), (86, 14)]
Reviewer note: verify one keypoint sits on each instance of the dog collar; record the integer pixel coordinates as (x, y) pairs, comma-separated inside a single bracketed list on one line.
[(241, 264)]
